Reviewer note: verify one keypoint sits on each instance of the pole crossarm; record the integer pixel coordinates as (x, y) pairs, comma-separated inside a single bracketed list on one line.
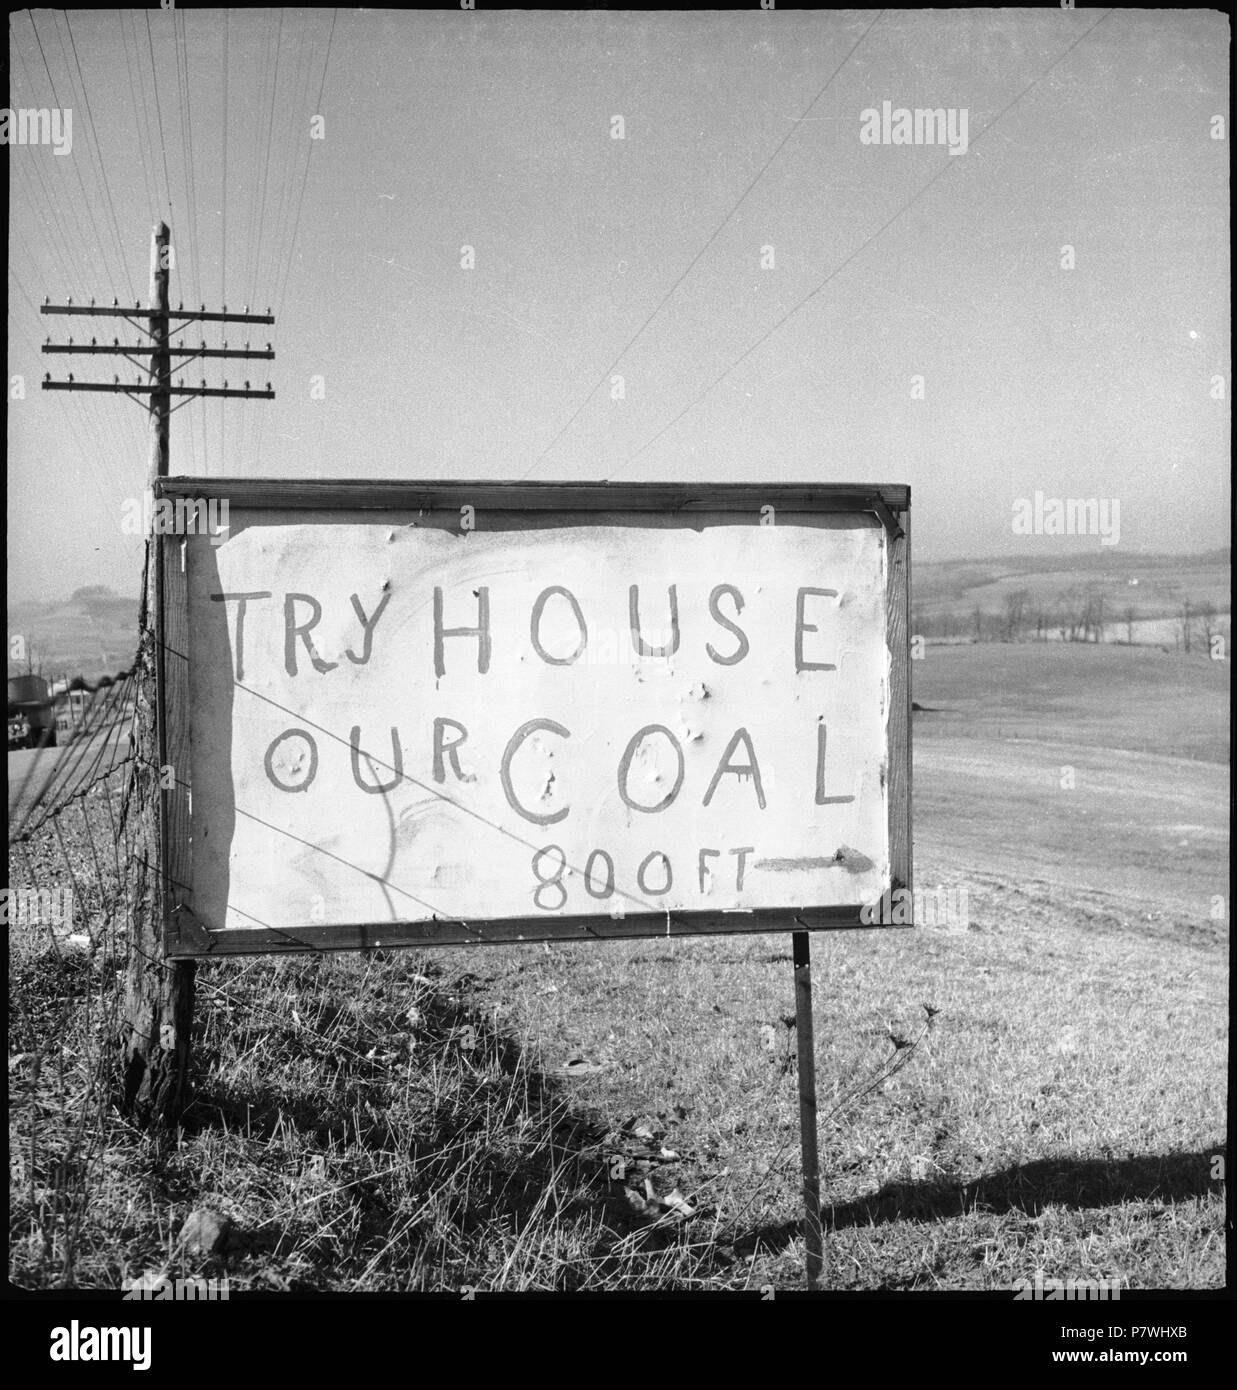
[(160, 321), (141, 390), (202, 315), (144, 349)]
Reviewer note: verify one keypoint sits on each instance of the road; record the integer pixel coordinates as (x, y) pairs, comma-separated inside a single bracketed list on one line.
[(30, 768)]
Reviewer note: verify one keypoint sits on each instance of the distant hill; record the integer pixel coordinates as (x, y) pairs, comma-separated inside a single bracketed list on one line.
[(93, 633), (1153, 585)]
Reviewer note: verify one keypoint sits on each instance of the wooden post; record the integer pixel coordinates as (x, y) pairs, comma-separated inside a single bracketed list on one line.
[(813, 1235), (160, 359), (157, 1024)]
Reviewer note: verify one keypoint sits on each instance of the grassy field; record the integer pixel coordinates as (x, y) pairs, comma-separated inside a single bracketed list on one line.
[(624, 1115)]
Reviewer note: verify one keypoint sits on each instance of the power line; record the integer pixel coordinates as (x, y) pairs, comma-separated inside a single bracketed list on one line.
[(50, 222), (696, 259), (98, 150), (53, 204), (253, 250), (142, 143), (77, 168), (284, 246), (154, 73), (837, 270), (94, 456), (180, 51), (266, 172), (300, 86), (305, 180), (191, 162)]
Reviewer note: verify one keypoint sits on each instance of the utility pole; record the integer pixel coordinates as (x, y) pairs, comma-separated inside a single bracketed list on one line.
[(160, 358), (156, 1028)]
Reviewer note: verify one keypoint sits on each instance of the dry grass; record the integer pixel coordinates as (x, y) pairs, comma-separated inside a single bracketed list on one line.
[(377, 1124)]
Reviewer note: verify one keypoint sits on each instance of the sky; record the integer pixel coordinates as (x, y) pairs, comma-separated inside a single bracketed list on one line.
[(738, 289)]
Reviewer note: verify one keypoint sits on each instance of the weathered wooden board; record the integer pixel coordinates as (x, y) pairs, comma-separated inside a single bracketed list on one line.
[(461, 721)]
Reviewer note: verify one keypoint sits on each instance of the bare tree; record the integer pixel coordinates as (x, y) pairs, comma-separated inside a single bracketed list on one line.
[(978, 619), (1086, 616), (1128, 618), (1073, 615), (1207, 622), (1185, 624), (1015, 607), (1095, 613)]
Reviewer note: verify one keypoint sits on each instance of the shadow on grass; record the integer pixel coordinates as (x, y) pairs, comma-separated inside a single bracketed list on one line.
[(1072, 1183), (439, 1149)]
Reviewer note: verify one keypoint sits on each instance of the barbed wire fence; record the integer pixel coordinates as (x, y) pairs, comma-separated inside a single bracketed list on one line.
[(70, 848), (66, 823)]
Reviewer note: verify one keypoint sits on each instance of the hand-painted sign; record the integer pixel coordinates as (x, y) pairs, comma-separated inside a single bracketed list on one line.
[(478, 712)]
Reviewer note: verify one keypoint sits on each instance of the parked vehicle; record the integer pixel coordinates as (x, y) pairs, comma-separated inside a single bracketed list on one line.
[(32, 713)]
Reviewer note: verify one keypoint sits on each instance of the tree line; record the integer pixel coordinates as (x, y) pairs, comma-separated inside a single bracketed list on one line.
[(1080, 614)]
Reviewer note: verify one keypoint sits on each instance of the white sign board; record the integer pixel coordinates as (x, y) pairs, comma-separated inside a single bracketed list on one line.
[(417, 725)]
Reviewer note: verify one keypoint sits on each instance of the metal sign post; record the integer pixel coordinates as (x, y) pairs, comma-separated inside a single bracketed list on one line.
[(813, 1234)]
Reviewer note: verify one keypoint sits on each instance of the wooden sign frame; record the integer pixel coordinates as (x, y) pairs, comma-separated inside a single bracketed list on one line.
[(886, 506)]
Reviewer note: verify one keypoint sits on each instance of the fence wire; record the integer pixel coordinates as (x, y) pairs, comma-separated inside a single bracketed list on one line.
[(66, 905)]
